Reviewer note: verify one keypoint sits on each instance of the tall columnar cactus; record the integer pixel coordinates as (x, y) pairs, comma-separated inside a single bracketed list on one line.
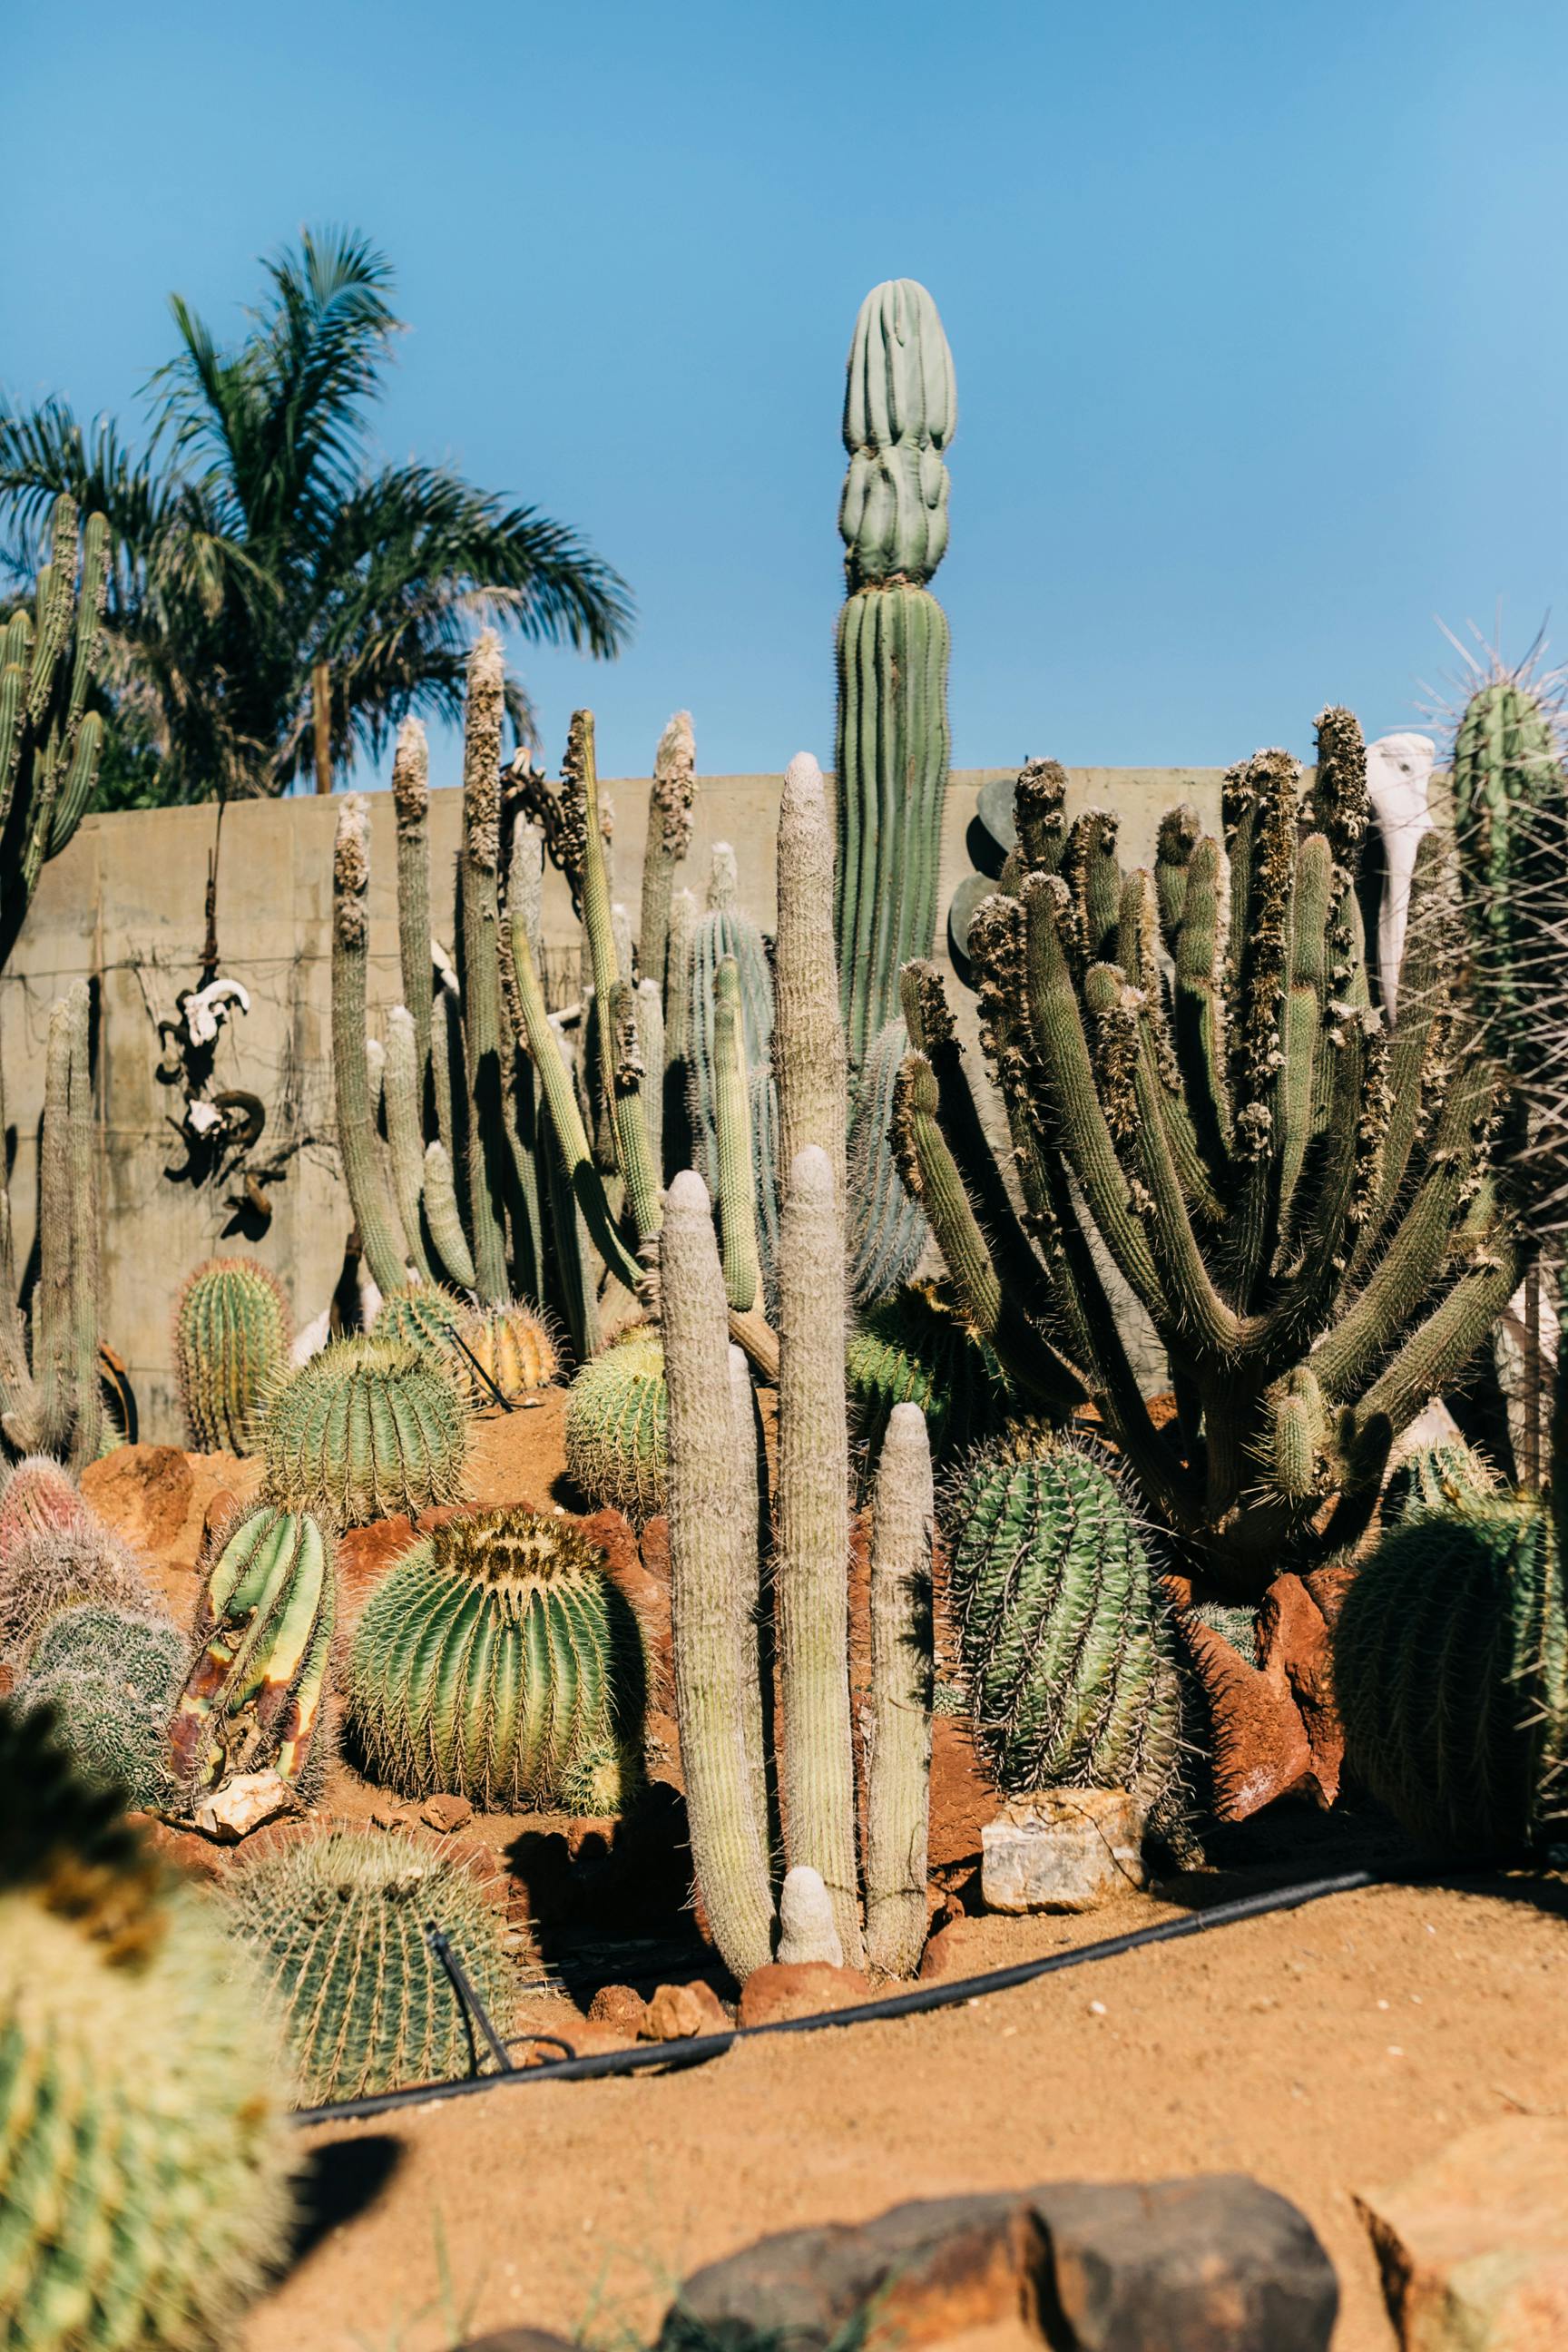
[(809, 1031), (1066, 1641), (50, 1400), (724, 931), (499, 1660), (1309, 1210), (733, 1131), (669, 839), (49, 741), (723, 1653), (1451, 1674), (336, 1923), (478, 873), (888, 1230), (362, 1430), (147, 2158), (231, 1342), (254, 1689), (410, 800), (365, 1170), (616, 1426), (900, 410)]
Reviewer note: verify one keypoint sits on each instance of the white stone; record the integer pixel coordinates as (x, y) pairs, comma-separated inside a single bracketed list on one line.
[(243, 1804), (1062, 1850)]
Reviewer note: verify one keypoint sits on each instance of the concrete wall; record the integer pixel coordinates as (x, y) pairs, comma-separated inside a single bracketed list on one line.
[(125, 904)]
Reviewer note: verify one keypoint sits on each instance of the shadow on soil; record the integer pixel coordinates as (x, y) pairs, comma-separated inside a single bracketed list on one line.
[(340, 2181)]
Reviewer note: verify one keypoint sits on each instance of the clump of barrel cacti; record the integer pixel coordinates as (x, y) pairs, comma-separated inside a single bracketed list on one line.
[(1066, 1642), (337, 1922), (900, 410), (617, 1428), (43, 1575), (49, 741), (363, 1430), (1310, 1209), (49, 1380), (231, 1341), (499, 1660), (39, 1497), (917, 1348), (253, 1688), (110, 1674), (147, 2155), (1451, 1675), (509, 1350)]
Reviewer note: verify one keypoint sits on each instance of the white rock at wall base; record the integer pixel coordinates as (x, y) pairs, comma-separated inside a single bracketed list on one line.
[(1062, 1850)]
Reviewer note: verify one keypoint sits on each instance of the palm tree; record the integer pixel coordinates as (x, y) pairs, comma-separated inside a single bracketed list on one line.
[(257, 555)]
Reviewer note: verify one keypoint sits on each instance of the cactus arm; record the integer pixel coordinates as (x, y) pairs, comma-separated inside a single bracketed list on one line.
[(357, 1140), (405, 1135), (1261, 947), (809, 1031), (650, 1048), (479, 871), (733, 1113), (1180, 832), (1442, 1345), (1138, 932), (756, 1687), (1421, 1025), (1199, 1004), (812, 1553), (898, 1765), (565, 1118), (1309, 1062), (1345, 1186), (669, 839), (1093, 881), (410, 800), (445, 1218), (711, 1583)]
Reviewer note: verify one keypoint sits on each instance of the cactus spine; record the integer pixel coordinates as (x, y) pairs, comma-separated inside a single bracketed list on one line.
[(337, 1924), (900, 411), (363, 1430), (669, 839), (254, 1689), (898, 1766), (231, 1338), (497, 1659)]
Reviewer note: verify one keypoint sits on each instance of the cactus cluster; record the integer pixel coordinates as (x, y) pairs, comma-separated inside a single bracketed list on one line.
[(43, 1575), (499, 1660), (616, 1429), (254, 1687), (147, 2158), (365, 1429), (336, 1922), (231, 1342), (1310, 1211), (1067, 1643)]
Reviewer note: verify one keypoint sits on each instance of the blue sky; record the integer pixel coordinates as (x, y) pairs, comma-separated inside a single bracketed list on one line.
[(1256, 314)]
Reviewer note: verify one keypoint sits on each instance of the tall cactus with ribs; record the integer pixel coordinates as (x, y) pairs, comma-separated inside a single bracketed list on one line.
[(1310, 1211), (49, 741), (50, 1400)]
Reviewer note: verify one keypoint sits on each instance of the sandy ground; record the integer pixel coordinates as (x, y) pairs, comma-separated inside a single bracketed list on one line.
[(1323, 2050)]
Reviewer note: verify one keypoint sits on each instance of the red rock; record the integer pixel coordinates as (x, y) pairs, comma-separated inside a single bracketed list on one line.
[(186, 1849), (778, 1991), (158, 1499), (445, 1814), (620, 2007), (679, 2012), (954, 1951), (1294, 1635)]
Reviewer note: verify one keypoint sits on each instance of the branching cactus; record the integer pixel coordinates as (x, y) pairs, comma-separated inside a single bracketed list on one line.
[(1309, 1210), (50, 1397), (49, 741), (900, 410), (231, 1342), (255, 1687)]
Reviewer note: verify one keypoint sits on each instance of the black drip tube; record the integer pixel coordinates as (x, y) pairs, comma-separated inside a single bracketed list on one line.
[(673, 2056)]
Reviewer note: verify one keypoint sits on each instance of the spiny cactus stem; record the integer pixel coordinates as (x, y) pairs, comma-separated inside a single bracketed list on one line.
[(405, 1132), (668, 838), (619, 1079), (808, 1029), (410, 800), (899, 1767), (481, 967), (357, 1138), (732, 1119)]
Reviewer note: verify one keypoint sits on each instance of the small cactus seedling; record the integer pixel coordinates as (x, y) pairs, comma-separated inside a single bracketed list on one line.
[(499, 1660)]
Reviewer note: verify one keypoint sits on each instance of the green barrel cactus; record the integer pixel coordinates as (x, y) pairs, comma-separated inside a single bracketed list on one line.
[(363, 1430), (1066, 1642), (900, 407), (617, 1421), (917, 1348), (252, 1694), (421, 1315), (1451, 1674), (111, 1675), (231, 1342), (337, 1924), (499, 1660), (147, 2161), (1443, 1477)]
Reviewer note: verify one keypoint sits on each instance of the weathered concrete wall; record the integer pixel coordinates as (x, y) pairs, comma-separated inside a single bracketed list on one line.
[(125, 904)]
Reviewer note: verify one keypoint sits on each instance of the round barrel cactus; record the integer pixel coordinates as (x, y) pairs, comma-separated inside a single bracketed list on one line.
[(617, 1431), (231, 1341), (44, 1574), (1442, 1478), (421, 1315), (367, 1428), (498, 1661), (337, 1922), (1066, 1641), (147, 2158), (916, 1348), (510, 1349), (1451, 1674), (39, 1496), (111, 1675)]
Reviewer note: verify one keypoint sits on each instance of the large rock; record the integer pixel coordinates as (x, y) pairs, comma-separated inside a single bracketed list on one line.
[(1474, 2246), (1062, 1850), (1219, 2264), (157, 1498)]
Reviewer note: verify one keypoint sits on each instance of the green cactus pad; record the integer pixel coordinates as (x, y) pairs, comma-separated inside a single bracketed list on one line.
[(1067, 1643), (337, 1922), (617, 1429), (497, 1661), (231, 1341), (363, 1430)]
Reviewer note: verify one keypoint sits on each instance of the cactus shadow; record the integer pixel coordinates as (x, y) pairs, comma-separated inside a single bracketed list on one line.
[(341, 2180)]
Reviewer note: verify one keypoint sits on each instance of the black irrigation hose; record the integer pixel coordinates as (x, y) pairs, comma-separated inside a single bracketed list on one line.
[(674, 2056)]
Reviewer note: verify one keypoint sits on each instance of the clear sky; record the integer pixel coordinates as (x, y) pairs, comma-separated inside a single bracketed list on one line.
[(1257, 313)]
